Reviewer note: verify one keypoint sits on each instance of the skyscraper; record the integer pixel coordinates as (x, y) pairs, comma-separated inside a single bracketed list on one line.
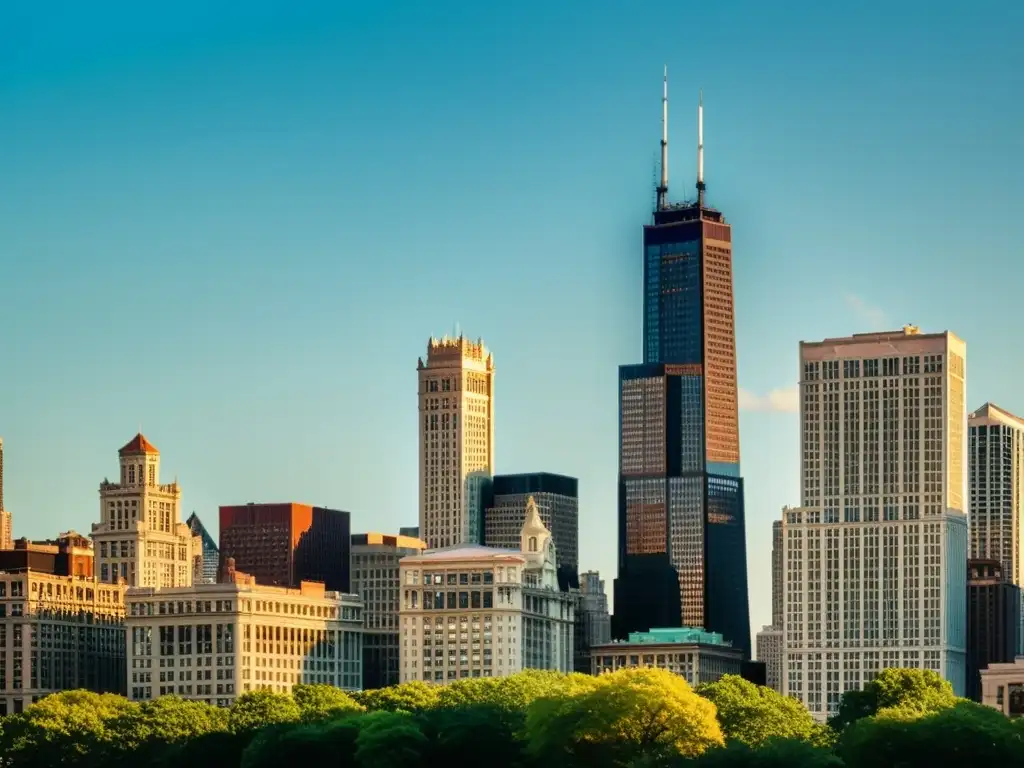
[(768, 641), (682, 540), (996, 476), (875, 561), (456, 407), (140, 537), (6, 523), (211, 553)]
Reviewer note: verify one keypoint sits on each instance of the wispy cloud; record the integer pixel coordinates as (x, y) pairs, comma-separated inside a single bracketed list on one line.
[(867, 313), (778, 400)]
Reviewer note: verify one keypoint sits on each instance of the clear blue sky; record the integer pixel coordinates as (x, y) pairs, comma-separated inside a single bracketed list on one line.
[(238, 223)]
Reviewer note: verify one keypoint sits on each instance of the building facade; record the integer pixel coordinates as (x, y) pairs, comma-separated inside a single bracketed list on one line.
[(213, 642), (996, 478), (698, 656), (875, 562), (6, 521), (1002, 687), (993, 620), (593, 621), (557, 499), (768, 642), (682, 539), (210, 551), (475, 611), (375, 559), (285, 544), (60, 628), (140, 537), (456, 462)]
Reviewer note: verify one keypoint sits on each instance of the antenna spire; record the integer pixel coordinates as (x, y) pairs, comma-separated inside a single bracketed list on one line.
[(700, 149), (663, 186)]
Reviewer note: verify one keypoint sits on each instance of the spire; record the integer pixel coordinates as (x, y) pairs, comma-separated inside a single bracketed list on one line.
[(700, 149), (663, 186)]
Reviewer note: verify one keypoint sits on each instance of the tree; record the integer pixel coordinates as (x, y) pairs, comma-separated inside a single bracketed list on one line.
[(144, 732), (256, 709), (321, 743), (414, 696), (220, 749), (778, 753), (323, 702), (914, 690), (390, 740), (628, 713), (964, 734), (753, 714), (473, 729)]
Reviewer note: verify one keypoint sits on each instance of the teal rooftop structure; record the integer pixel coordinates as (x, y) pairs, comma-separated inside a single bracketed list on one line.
[(677, 635)]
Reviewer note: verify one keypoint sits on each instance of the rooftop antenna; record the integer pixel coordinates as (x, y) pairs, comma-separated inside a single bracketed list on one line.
[(663, 186), (700, 149)]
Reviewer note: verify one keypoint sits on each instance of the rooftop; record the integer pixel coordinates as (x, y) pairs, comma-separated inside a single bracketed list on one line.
[(138, 445), (674, 636), (990, 412), (464, 552)]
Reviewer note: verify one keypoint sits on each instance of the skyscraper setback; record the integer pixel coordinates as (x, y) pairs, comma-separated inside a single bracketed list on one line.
[(682, 541)]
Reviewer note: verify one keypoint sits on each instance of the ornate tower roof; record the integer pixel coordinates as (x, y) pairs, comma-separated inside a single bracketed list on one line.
[(138, 446)]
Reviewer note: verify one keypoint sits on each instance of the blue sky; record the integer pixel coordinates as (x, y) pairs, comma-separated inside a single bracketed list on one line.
[(238, 225)]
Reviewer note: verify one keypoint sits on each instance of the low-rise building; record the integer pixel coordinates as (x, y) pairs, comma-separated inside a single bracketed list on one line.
[(1002, 687), (375, 559), (60, 628), (215, 641), (473, 611), (699, 656)]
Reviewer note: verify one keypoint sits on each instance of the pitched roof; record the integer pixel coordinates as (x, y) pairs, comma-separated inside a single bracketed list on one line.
[(138, 445)]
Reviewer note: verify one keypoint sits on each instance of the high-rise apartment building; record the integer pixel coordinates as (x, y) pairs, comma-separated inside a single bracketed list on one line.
[(593, 621), (993, 620), (456, 410), (375, 559), (6, 521), (875, 561), (682, 540), (474, 611), (214, 642), (285, 544), (140, 537), (996, 481), (211, 553), (60, 628), (557, 500)]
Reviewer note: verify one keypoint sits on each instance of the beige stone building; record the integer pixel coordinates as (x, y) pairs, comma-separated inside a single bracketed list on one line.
[(215, 641), (456, 409), (140, 537), (692, 653), (60, 628), (875, 559), (1002, 687), (474, 611)]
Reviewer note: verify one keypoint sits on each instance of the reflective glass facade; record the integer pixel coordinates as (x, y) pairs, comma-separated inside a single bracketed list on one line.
[(682, 539)]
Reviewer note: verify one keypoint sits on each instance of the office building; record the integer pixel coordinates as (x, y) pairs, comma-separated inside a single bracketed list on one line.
[(213, 642), (456, 417), (768, 642), (699, 656), (375, 558), (875, 561), (682, 540), (60, 628), (412, 531), (996, 480), (557, 499), (993, 620), (593, 622), (140, 537), (6, 521), (210, 552), (475, 611), (285, 544), (1002, 687)]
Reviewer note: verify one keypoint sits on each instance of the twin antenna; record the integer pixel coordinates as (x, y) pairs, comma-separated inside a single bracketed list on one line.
[(662, 189)]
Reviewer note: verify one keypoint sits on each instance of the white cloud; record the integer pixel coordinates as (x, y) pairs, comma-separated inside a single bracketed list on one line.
[(869, 314), (778, 400)]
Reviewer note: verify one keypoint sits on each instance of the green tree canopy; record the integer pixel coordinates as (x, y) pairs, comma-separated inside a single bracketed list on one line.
[(256, 709), (328, 743), (323, 702), (920, 691), (777, 753), (473, 729), (414, 696), (390, 740), (628, 714), (754, 714)]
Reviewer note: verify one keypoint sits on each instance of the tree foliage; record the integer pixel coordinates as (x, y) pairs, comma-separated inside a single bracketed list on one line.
[(415, 696), (912, 691), (323, 702), (627, 714), (753, 714), (257, 709)]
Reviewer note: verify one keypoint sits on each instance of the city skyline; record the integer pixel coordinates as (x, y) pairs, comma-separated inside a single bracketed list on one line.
[(183, 213)]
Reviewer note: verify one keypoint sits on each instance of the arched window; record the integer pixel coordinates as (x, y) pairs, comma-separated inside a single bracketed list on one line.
[(533, 543)]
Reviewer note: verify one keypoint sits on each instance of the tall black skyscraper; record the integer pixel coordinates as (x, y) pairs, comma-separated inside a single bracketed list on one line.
[(682, 540)]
